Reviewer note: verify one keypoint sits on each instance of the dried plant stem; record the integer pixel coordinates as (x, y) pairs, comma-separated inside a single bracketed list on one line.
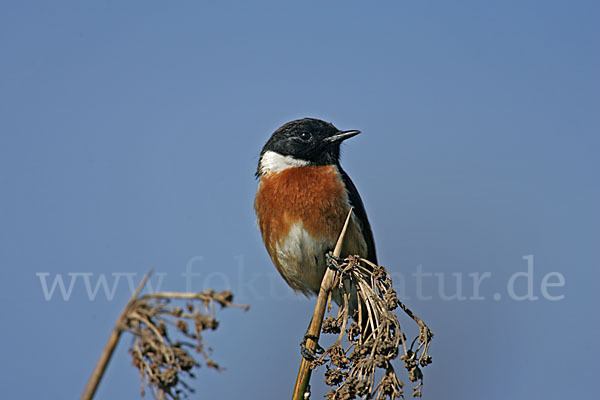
[(317, 319), (111, 344), (206, 296)]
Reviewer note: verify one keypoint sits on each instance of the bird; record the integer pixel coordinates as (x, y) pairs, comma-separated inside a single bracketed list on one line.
[(302, 200)]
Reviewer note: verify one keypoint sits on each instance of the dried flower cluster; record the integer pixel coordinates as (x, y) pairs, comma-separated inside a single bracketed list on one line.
[(160, 358), (373, 340)]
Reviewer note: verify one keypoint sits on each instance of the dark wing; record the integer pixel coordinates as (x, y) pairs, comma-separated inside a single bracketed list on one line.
[(359, 210)]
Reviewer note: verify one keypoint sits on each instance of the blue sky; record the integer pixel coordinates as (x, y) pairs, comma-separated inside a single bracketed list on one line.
[(130, 132)]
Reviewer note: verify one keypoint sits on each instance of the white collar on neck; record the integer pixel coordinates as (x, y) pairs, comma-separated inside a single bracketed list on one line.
[(273, 162)]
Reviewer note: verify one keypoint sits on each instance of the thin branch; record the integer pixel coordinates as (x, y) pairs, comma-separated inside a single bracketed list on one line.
[(317, 320), (111, 344)]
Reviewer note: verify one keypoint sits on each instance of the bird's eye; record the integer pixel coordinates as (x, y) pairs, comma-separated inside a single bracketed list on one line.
[(306, 136)]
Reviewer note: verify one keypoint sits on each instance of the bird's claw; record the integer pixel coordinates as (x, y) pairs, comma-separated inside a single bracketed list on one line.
[(333, 262), (307, 353)]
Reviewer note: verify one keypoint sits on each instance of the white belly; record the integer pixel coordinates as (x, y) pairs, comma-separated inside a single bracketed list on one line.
[(302, 259), (302, 256)]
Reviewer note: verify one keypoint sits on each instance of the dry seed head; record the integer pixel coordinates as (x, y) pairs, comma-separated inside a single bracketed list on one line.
[(375, 347)]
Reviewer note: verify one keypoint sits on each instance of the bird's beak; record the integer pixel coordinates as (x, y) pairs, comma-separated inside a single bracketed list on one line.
[(341, 136)]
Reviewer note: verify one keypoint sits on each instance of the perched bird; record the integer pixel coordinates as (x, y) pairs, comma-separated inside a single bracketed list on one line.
[(302, 201)]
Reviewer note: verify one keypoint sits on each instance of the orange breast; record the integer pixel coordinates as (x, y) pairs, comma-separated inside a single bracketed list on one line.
[(313, 195), (301, 211)]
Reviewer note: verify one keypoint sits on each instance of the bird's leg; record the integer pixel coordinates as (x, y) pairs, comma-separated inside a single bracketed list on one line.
[(307, 353), (333, 262)]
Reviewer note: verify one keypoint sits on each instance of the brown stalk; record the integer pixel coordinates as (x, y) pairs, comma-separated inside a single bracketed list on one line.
[(317, 319), (111, 344)]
